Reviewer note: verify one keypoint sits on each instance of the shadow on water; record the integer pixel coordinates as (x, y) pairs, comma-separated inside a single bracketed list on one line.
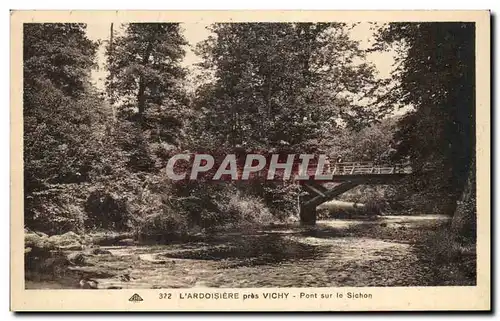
[(267, 247), (252, 250), (326, 232)]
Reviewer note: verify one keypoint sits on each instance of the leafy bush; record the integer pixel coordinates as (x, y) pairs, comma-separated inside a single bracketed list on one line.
[(339, 209), (106, 211), (163, 225), (124, 200), (56, 210), (245, 211), (374, 207), (281, 198)]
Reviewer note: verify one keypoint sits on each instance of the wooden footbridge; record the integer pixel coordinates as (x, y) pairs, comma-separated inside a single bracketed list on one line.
[(347, 176)]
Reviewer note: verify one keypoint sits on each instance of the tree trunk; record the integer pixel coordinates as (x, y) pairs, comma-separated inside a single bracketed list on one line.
[(141, 98), (464, 222), (111, 71)]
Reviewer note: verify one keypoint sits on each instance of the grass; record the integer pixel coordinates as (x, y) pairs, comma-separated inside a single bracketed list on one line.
[(453, 262)]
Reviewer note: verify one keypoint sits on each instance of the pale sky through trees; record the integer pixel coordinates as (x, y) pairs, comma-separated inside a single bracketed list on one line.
[(196, 32)]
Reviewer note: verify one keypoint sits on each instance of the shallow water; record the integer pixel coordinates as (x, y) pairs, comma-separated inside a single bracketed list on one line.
[(334, 253)]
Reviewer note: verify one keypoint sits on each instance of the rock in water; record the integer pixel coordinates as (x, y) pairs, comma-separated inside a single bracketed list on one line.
[(35, 241), (125, 277), (98, 251), (77, 258), (54, 264), (159, 262), (127, 242), (67, 241), (71, 247), (201, 284), (88, 284)]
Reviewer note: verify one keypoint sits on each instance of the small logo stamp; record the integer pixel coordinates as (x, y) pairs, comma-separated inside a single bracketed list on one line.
[(135, 298)]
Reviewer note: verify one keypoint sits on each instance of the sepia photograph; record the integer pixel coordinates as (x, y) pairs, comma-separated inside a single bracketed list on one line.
[(201, 158)]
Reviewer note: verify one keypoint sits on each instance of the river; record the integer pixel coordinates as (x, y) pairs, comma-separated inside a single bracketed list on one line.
[(337, 252)]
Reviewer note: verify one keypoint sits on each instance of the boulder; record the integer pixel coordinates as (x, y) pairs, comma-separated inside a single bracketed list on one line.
[(127, 242), (67, 241), (109, 239), (55, 264), (33, 240), (89, 284), (43, 253), (37, 250), (125, 277), (98, 251), (92, 271), (71, 247), (77, 258)]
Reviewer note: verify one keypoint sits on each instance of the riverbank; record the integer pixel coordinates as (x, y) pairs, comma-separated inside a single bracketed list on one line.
[(388, 251)]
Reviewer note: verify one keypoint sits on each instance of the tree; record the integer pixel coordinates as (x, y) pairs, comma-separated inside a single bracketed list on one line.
[(146, 80), (65, 140), (435, 75), (62, 113), (371, 143), (60, 53), (276, 83), (144, 65)]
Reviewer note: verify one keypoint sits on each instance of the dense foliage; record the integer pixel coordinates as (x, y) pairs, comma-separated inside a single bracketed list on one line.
[(65, 141), (436, 76), (96, 160), (279, 83)]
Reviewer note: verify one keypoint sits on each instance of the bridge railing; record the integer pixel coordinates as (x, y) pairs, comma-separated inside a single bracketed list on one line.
[(364, 168), (348, 168)]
